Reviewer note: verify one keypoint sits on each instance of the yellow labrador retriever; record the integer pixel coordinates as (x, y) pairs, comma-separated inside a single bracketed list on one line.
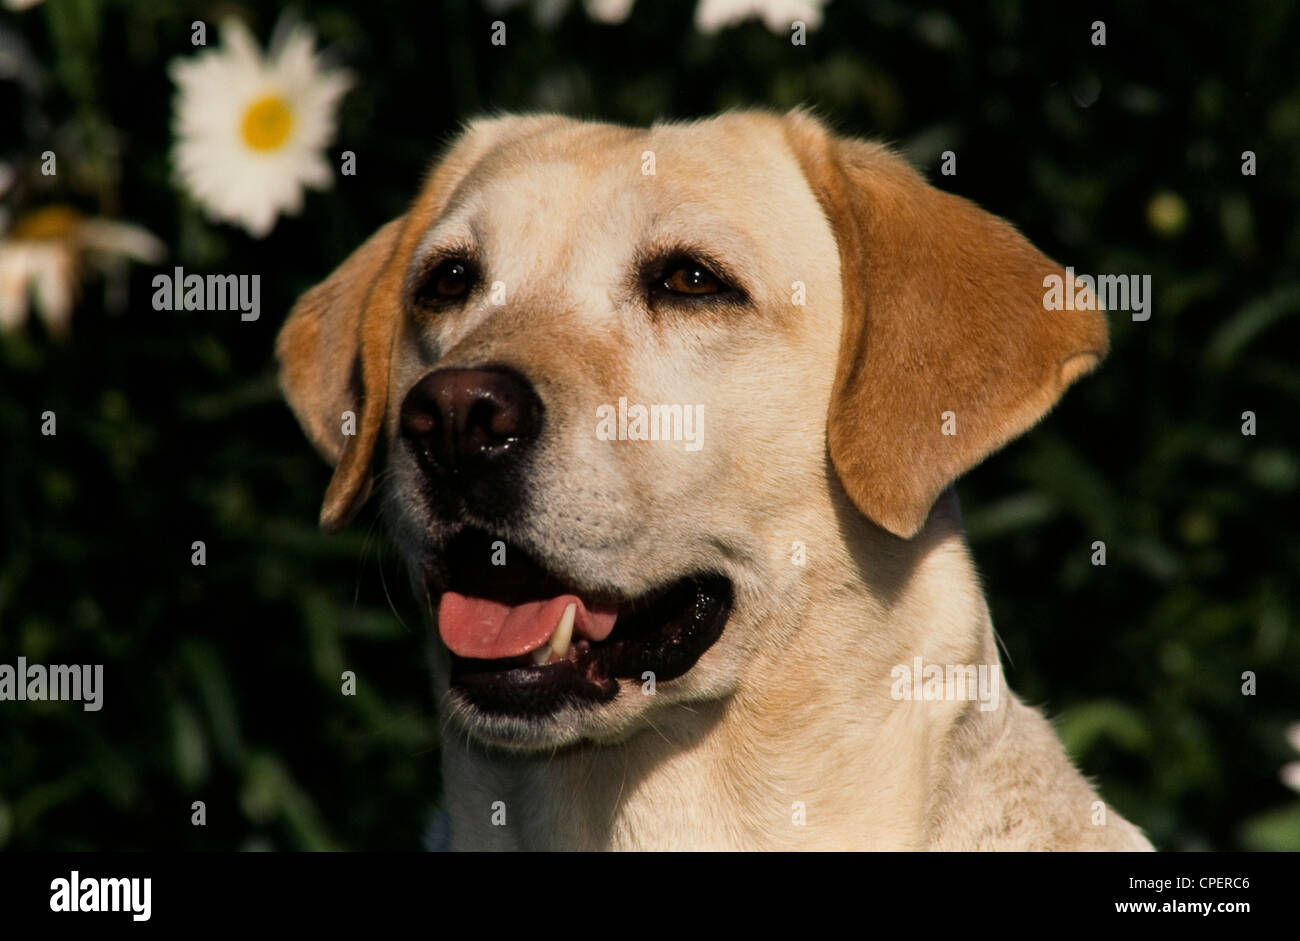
[(671, 418)]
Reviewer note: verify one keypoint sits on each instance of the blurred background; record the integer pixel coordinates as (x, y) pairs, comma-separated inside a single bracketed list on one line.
[(222, 681)]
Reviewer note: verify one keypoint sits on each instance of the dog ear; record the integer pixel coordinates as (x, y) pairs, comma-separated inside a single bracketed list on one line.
[(944, 330), (333, 352)]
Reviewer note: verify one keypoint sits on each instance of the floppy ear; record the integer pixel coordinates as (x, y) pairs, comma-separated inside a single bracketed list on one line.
[(943, 313), (334, 352)]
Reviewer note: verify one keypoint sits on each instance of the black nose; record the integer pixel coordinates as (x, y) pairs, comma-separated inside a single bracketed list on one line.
[(470, 420)]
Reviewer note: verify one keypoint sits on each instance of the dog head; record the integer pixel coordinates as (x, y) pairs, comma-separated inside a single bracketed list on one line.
[(622, 371)]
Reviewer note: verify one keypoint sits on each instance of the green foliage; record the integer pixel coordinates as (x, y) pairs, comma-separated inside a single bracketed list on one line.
[(223, 682)]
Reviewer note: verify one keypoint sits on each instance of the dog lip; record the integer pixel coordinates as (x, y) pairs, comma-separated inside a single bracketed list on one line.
[(529, 690)]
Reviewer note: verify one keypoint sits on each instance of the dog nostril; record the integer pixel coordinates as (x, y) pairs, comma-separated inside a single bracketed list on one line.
[(486, 423), (418, 424)]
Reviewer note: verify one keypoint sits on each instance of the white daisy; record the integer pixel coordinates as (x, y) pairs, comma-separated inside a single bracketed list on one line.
[(777, 15), (43, 258), (251, 129)]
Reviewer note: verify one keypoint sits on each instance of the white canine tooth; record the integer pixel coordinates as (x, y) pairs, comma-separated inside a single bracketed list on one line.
[(564, 631), (560, 637)]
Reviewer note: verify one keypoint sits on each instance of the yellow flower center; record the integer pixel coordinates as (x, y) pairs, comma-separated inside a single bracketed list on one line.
[(52, 222), (267, 123)]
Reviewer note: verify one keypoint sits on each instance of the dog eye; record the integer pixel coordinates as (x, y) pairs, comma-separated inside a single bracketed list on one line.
[(691, 278), (452, 278), (447, 282)]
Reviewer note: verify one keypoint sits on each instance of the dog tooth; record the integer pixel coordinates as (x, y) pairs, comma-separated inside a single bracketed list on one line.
[(560, 638), (564, 631)]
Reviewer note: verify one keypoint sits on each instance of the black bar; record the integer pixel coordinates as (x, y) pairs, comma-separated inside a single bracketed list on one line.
[(330, 891)]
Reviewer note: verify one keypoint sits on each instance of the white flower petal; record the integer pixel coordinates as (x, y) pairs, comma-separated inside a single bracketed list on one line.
[(121, 238), (1290, 775), (54, 281), (1292, 733), (13, 286), (777, 15), (609, 12)]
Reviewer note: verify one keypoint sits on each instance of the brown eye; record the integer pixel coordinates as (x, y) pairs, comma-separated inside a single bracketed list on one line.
[(692, 278), (451, 279), (446, 283), (681, 280)]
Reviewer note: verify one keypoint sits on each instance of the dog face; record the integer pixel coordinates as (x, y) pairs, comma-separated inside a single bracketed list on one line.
[(624, 373)]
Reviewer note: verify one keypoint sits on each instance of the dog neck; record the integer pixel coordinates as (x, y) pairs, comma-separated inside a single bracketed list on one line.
[(814, 748)]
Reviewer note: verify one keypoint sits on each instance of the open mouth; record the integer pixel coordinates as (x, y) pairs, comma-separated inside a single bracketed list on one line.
[(525, 643)]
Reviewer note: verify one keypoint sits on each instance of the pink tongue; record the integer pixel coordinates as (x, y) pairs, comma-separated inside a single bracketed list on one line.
[(480, 629)]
